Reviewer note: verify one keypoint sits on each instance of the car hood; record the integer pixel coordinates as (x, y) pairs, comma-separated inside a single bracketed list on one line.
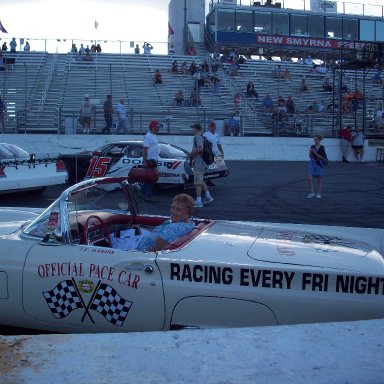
[(268, 244), (12, 218)]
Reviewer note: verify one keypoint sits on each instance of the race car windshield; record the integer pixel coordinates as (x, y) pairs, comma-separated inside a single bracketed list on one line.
[(168, 151), (9, 151)]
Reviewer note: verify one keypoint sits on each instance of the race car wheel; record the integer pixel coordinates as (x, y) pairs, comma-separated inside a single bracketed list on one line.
[(92, 221)]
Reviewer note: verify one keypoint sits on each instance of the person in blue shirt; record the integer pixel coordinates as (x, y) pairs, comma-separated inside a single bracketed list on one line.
[(179, 224)]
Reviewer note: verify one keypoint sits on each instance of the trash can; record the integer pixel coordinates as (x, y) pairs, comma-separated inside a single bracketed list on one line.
[(70, 125)]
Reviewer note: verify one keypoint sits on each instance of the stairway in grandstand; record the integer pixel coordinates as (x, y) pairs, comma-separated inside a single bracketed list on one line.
[(51, 88)]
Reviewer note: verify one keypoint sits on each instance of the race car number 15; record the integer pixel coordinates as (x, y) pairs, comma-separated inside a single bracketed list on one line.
[(98, 166)]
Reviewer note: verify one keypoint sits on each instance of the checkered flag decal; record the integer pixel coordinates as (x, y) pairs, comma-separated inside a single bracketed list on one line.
[(111, 305), (63, 299)]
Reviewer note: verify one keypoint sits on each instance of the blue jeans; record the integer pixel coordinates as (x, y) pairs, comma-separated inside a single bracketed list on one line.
[(122, 127), (147, 190)]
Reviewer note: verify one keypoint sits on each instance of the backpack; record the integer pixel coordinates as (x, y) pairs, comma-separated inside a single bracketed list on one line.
[(207, 153)]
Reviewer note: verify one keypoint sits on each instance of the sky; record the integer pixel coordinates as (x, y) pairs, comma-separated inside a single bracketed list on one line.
[(124, 20)]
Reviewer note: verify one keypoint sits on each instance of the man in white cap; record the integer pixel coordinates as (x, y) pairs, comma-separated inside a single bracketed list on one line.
[(150, 155), (214, 138)]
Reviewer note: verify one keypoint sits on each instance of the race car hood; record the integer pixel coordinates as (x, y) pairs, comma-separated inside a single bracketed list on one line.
[(304, 246), (12, 218)]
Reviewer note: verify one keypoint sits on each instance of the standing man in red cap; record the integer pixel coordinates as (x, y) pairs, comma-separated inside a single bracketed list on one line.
[(199, 167), (214, 138), (150, 155)]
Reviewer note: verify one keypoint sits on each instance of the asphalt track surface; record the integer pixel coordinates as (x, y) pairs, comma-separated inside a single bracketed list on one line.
[(267, 191), (270, 191)]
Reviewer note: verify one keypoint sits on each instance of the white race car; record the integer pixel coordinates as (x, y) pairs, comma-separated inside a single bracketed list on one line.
[(118, 158), (20, 170), (64, 270)]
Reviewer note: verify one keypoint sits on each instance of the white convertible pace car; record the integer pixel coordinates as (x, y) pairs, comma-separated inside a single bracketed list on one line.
[(63, 270)]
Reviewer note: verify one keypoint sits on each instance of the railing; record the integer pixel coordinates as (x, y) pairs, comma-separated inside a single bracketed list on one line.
[(344, 7)]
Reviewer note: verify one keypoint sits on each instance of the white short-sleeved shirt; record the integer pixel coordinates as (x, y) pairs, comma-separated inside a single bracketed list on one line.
[(121, 111), (151, 142), (214, 138)]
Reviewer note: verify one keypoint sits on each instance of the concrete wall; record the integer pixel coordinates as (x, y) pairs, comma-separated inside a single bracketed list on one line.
[(235, 148)]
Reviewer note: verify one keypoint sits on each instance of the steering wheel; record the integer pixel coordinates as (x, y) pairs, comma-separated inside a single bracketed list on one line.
[(96, 219)]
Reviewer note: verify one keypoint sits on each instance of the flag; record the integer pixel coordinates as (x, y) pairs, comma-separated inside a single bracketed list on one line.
[(170, 30), (63, 299), (2, 29), (112, 306), (96, 24)]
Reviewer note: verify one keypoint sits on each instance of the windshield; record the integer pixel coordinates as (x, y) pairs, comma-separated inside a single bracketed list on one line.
[(94, 197), (169, 151), (10, 151)]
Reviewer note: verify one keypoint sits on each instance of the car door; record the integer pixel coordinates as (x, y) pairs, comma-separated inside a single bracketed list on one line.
[(81, 288)]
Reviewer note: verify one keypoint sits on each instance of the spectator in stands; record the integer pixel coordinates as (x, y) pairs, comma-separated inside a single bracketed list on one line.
[(174, 67), (74, 48), (27, 47), (195, 98), (300, 60), (327, 87), (287, 74), (13, 45), (322, 69), (322, 106), (267, 104), (377, 77), (98, 48), (184, 69), (147, 48), (2, 115), (86, 111), (88, 56), (313, 107), (234, 125), (308, 60), (179, 99), (81, 50), (137, 49), (108, 110), (93, 48), (235, 66), (192, 68), (290, 105), (345, 142), (303, 85), (4, 47), (236, 101), (277, 73), (192, 50), (121, 116), (251, 91), (87, 50), (157, 79)]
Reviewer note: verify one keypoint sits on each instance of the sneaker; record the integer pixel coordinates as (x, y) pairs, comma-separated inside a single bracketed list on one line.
[(198, 204), (318, 196), (207, 201), (311, 196)]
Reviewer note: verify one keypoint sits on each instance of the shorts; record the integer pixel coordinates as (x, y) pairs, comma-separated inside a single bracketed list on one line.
[(85, 120), (198, 177)]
